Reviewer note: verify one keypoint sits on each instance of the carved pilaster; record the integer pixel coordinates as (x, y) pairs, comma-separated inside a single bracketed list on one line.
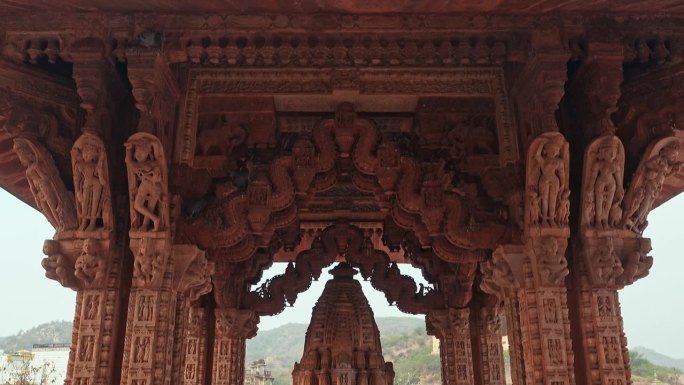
[(452, 328), (490, 349), (195, 347), (232, 329)]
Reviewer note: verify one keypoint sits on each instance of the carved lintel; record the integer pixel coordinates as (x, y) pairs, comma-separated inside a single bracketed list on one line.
[(547, 200)]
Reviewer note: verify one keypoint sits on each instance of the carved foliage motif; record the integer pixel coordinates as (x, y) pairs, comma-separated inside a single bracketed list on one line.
[(147, 183), (91, 182), (602, 190), (52, 197), (547, 188)]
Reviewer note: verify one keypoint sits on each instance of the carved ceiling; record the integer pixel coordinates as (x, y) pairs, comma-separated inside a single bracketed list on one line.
[(349, 6)]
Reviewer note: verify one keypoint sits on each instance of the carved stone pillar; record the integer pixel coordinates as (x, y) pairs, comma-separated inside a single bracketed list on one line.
[(161, 271), (83, 254), (610, 252), (501, 277), (451, 327), (490, 349), (232, 329), (195, 347)]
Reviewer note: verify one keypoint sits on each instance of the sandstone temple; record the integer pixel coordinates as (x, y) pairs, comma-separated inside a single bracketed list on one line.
[(510, 149), (342, 344)]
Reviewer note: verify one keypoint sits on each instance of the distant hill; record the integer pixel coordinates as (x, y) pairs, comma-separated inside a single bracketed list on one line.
[(660, 359), (55, 332)]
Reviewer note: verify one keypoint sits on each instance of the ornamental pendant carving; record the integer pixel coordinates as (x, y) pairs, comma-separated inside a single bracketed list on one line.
[(147, 183), (91, 182)]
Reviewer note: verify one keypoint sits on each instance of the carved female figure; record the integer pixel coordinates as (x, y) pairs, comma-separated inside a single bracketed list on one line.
[(604, 183), (143, 164), (42, 180), (90, 181), (551, 168), (656, 169)]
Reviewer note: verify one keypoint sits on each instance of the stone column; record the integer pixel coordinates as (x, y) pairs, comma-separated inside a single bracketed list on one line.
[(162, 272), (451, 327), (501, 278), (490, 350), (232, 329), (195, 347)]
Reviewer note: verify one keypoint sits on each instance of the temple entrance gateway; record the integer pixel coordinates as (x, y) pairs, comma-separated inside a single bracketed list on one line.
[(512, 156)]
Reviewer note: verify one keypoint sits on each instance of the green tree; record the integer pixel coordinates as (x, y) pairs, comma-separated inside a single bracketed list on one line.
[(21, 369)]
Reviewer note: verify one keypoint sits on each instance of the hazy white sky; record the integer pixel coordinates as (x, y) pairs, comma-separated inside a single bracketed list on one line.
[(653, 308)]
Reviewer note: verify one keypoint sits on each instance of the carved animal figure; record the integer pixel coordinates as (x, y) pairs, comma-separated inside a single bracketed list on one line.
[(222, 138)]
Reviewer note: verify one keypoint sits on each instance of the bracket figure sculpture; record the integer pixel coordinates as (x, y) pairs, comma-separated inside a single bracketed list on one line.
[(91, 182), (602, 192), (147, 183), (661, 159), (52, 197), (547, 188)]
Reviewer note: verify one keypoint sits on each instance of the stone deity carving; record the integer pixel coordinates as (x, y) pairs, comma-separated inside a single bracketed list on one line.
[(52, 197), (660, 160), (89, 163), (606, 264), (637, 265), (603, 191), (148, 266), (90, 267), (147, 183), (547, 181), (553, 267)]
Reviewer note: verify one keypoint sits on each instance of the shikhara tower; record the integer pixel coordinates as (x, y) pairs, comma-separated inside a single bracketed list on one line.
[(342, 345)]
